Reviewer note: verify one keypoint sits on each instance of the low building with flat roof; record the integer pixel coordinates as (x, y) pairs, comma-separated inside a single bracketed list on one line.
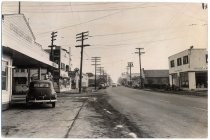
[(189, 69)]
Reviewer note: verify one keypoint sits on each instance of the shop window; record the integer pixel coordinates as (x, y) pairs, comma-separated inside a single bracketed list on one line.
[(184, 79), (185, 59), (179, 61), (4, 73), (20, 80), (16, 70), (172, 63), (201, 79)]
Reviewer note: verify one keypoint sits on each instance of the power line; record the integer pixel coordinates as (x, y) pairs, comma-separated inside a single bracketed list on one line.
[(203, 20), (125, 45), (83, 22), (93, 19), (74, 4), (139, 31), (30, 10)]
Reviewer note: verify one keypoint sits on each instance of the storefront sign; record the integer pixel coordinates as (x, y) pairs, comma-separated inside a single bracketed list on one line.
[(20, 33)]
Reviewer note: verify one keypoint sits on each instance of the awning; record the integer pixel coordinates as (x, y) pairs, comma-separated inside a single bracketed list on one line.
[(21, 60)]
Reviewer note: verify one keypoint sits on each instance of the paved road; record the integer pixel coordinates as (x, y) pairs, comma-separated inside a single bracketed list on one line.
[(162, 115)]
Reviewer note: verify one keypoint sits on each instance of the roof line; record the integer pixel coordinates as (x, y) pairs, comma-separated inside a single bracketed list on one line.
[(29, 27)]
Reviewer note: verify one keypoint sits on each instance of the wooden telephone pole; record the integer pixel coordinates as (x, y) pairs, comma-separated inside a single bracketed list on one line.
[(130, 64), (53, 35), (141, 83), (95, 60), (81, 37)]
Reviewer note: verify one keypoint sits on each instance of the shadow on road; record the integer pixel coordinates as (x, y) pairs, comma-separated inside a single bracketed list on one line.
[(22, 106)]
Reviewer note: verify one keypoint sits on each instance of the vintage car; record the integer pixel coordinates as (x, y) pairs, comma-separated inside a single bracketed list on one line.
[(41, 91)]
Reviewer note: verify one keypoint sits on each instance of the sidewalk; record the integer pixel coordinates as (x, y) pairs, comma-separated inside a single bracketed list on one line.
[(85, 115)]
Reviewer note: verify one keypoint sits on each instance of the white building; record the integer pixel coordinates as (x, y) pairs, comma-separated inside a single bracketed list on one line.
[(62, 81), (188, 69), (85, 80), (19, 50)]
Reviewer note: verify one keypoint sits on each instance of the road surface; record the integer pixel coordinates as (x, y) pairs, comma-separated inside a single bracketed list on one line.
[(161, 115)]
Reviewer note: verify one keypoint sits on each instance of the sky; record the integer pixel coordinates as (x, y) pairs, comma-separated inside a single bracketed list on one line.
[(116, 29)]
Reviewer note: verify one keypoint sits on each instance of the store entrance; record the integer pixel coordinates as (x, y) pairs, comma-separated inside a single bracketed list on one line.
[(201, 79)]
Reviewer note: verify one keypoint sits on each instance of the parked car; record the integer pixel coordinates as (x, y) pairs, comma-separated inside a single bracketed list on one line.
[(41, 91), (102, 86), (135, 85), (106, 85)]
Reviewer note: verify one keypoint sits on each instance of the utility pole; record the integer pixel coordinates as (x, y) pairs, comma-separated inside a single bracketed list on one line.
[(69, 58), (53, 35), (95, 60), (100, 77), (127, 68), (81, 37), (103, 74), (204, 6), (141, 82), (19, 7), (130, 64)]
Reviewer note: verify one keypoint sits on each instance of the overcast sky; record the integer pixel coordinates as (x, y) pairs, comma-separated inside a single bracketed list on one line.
[(116, 29)]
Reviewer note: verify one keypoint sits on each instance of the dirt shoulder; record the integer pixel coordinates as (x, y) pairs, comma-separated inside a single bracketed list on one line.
[(117, 125)]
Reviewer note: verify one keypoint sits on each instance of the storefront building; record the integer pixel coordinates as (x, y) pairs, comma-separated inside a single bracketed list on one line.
[(22, 78), (188, 69), (19, 50), (61, 78)]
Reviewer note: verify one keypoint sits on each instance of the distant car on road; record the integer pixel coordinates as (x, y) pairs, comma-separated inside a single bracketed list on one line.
[(41, 91), (114, 85)]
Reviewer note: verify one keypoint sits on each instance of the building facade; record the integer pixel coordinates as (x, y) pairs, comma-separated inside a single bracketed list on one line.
[(19, 50), (6, 80), (156, 77), (61, 78), (189, 69), (150, 78), (22, 78)]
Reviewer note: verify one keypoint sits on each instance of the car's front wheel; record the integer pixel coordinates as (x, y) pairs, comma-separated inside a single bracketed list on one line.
[(53, 104)]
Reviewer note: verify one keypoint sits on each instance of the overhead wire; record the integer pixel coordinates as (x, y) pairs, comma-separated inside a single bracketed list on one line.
[(125, 45), (57, 3), (56, 10), (98, 18), (95, 19)]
